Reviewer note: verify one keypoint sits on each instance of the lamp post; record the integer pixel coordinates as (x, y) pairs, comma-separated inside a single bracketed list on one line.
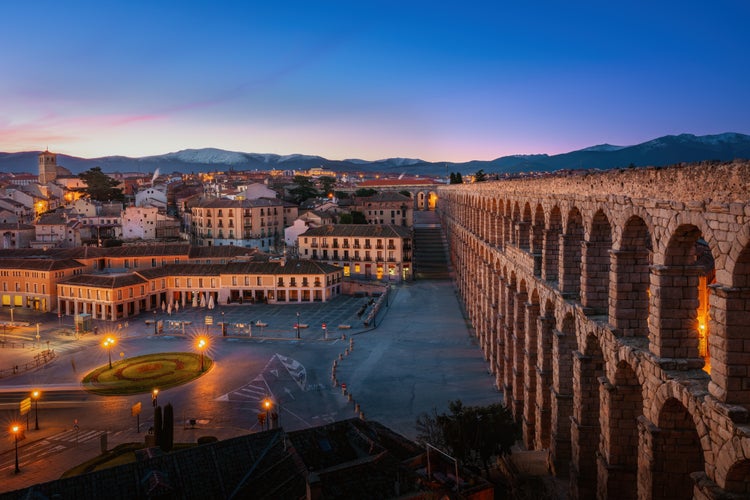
[(154, 396), (35, 395), (267, 405), (11, 314), (37, 333), (108, 343), (15, 429), (297, 324), (201, 348), (154, 321)]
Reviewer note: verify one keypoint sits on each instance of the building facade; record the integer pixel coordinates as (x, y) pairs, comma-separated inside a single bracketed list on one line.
[(257, 223), (386, 207), (119, 296), (381, 252)]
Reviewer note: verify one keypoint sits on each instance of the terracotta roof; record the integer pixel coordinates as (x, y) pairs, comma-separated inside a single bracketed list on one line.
[(40, 264), (360, 231), (269, 268), (221, 251), (396, 182), (104, 280), (227, 203), (10, 226)]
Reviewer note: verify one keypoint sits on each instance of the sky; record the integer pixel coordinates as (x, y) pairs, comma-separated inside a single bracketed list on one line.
[(439, 81)]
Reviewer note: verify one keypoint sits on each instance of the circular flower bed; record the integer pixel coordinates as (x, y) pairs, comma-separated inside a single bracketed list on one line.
[(144, 373)]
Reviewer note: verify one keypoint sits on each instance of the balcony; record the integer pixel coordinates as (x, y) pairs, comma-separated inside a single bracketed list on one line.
[(313, 245), (391, 246)]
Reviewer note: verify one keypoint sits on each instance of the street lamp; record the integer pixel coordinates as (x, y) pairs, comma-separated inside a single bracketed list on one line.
[(16, 429), (267, 405), (37, 333), (154, 321), (108, 343), (35, 395), (154, 395), (11, 314), (202, 344), (297, 324)]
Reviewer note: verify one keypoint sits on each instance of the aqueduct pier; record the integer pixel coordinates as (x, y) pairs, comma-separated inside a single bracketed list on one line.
[(614, 311)]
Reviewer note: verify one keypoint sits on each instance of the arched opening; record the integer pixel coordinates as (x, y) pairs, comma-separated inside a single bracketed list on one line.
[(551, 252), (705, 262), (519, 343), (563, 346), (585, 426), (738, 477), (537, 239), (529, 371), (547, 325), (620, 441), (597, 263), (677, 329), (629, 287), (730, 371), (570, 280), (677, 453), (524, 229), (516, 218)]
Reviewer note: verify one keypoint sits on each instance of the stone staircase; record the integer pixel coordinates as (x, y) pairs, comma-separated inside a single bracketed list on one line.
[(430, 248)]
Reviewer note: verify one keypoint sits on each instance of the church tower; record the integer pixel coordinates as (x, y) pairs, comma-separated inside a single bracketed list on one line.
[(47, 167)]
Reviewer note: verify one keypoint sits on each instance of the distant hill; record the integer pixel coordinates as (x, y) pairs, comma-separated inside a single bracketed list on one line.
[(665, 150)]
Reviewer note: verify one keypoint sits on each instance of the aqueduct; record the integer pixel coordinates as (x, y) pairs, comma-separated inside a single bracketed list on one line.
[(614, 312)]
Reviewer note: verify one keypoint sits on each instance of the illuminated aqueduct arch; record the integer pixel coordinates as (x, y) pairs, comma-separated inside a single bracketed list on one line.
[(614, 311)]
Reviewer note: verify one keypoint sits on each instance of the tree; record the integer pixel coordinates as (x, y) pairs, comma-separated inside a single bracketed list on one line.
[(327, 184), (455, 178), (358, 217), (346, 219), (100, 186), (304, 189), (480, 176), (471, 434), (365, 192)]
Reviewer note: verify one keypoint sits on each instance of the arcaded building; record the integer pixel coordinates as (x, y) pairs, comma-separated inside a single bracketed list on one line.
[(614, 311)]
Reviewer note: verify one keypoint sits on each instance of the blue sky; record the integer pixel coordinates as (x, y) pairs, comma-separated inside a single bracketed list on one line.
[(451, 81)]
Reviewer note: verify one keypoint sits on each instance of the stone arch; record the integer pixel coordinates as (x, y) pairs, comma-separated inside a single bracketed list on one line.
[(519, 343), (596, 261), (537, 238), (563, 346), (546, 331), (679, 302), (524, 228), (570, 249), (676, 436), (588, 369), (516, 221), (529, 369), (630, 279), (618, 467), (551, 250), (738, 477)]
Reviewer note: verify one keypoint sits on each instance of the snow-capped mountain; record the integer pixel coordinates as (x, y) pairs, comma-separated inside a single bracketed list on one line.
[(657, 152)]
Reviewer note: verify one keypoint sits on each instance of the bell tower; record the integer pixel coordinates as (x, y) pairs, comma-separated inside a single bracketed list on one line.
[(47, 167)]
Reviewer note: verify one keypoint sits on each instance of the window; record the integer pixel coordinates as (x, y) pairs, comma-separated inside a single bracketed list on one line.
[(153, 262), (177, 282), (259, 280), (190, 282), (119, 294)]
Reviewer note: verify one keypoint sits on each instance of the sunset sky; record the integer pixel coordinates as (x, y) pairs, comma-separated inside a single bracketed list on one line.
[(451, 81)]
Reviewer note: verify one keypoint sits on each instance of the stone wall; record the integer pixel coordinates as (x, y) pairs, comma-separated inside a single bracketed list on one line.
[(585, 292)]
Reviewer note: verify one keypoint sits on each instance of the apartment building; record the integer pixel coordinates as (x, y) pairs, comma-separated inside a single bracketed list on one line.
[(382, 252)]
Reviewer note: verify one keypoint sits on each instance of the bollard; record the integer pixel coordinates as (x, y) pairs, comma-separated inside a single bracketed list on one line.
[(349, 397), (341, 356), (356, 408), (361, 415), (343, 390), (335, 363), (346, 353)]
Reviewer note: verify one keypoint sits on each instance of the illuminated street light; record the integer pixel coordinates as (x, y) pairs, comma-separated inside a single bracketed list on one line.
[(35, 395), (154, 395), (108, 343), (267, 405), (202, 344), (16, 430)]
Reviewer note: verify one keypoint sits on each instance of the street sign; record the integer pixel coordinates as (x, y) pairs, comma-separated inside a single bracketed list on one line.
[(135, 410), (209, 320), (25, 406), (324, 326)]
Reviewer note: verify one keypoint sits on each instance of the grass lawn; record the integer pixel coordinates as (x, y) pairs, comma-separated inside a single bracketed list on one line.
[(142, 373)]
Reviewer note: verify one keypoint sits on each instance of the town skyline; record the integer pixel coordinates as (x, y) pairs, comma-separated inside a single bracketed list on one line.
[(361, 81)]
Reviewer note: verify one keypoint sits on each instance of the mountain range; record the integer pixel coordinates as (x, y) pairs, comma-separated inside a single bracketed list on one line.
[(665, 150)]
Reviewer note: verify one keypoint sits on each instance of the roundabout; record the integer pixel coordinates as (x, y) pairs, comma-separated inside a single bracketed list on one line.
[(142, 373)]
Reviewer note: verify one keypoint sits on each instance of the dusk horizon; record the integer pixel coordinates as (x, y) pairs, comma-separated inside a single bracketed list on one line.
[(439, 83)]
